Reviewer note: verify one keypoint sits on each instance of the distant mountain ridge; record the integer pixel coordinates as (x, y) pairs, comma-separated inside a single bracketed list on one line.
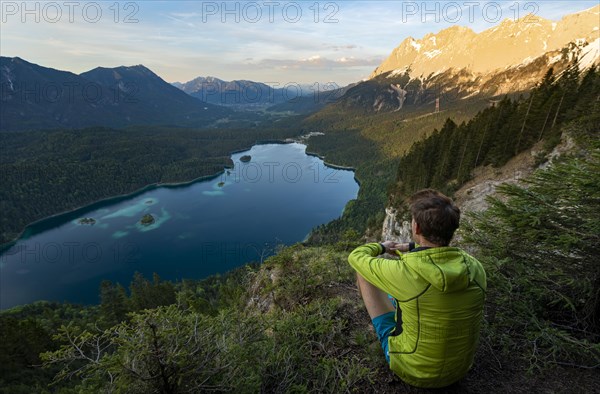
[(505, 45), (234, 93), (252, 95), (37, 97)]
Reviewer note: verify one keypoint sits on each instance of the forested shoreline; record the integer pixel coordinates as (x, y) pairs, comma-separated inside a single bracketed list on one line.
[(48, 173)]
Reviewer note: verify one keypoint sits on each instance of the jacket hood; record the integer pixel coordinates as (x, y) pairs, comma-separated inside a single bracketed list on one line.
[(446, 268)]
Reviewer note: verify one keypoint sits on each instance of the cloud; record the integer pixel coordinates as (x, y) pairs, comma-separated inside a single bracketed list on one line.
[(180, 20), (337, 48), (185, 15), (318, 62)]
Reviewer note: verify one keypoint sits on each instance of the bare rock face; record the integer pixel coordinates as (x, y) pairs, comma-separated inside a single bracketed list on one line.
[(509, 43), (394, 230)]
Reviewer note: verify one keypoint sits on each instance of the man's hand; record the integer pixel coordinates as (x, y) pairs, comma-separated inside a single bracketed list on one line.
[(391, 247)]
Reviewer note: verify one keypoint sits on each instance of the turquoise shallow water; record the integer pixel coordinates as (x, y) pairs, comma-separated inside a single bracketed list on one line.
[(199, 229)]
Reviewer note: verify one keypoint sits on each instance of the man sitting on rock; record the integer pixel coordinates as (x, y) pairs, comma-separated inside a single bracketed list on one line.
[(430, 337)]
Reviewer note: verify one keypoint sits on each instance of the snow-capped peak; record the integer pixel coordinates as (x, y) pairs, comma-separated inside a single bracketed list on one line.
[(509, 43)]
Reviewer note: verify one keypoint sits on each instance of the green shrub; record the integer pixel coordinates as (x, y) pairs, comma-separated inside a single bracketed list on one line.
[(540, 246)]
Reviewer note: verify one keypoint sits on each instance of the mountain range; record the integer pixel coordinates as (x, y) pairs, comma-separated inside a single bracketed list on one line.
[(439, 70), (425, 75), (250, 95), (510, 43), (241, 93), (34, 97)]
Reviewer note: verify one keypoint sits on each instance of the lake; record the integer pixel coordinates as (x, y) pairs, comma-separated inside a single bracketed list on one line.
[(199, 229)]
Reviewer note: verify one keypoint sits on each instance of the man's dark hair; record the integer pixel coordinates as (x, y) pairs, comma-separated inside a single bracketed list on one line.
[(436, 215)]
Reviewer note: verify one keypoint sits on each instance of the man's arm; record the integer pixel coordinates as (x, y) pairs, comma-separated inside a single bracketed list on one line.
[(385, 274), (392, 247)]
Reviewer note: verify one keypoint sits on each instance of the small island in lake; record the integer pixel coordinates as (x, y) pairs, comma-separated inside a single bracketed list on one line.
[(90, 221), (221, 184), (147, 219), (245, 158)]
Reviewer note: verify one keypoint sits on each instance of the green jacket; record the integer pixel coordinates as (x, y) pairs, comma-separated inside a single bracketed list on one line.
[(440, 292)]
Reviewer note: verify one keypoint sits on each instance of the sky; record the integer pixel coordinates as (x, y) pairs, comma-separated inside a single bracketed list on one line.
[(276, 42)]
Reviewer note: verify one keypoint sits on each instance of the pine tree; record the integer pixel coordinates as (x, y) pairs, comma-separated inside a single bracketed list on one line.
[(113, 303)]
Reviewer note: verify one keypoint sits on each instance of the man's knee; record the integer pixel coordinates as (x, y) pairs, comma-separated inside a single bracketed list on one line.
[(359, 280), (362, 284)]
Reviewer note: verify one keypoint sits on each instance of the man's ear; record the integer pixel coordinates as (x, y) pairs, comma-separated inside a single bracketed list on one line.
[(417, 228)]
